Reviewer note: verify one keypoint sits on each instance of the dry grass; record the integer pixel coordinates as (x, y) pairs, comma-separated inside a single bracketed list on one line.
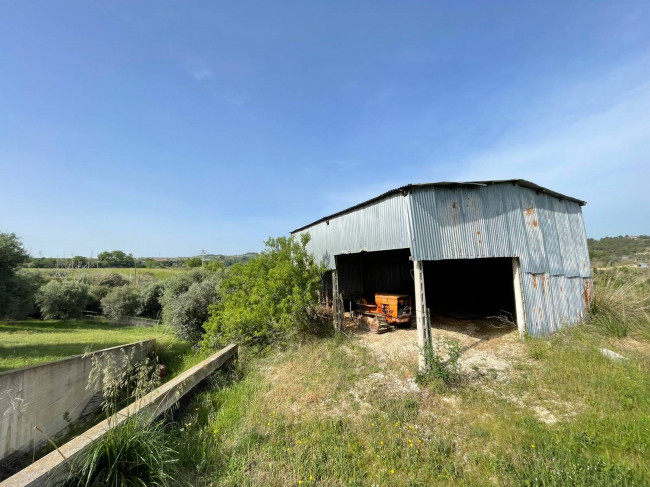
[(340, 413), (621, 305)]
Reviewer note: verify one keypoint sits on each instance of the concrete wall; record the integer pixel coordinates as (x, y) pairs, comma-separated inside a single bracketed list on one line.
[(55, 394), (51, 469)]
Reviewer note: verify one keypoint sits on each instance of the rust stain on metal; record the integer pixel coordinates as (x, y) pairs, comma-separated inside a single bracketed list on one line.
[(480, 242), (453, 205), (535, 281), (535, 223), (530, 211), (544, 283), (587, 292)]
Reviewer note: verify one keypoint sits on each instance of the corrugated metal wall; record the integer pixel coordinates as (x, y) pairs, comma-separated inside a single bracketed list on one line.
[(467, 222), (383, 225)]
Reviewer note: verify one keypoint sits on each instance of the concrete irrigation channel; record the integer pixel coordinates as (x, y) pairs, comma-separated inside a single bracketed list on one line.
[(51, 469)]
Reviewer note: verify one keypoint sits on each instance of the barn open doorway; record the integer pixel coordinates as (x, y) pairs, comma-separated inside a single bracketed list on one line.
[(363, 274), (470, 289)]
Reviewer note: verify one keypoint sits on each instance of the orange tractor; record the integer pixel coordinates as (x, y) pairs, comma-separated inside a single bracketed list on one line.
[(387, 312)]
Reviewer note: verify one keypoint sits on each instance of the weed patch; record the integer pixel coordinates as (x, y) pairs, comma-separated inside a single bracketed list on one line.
[(441, 357)]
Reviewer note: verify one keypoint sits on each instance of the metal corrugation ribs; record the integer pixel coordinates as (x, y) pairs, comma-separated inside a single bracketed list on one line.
[(567, 249), (426, 243), (546, 220), (496, 238), (536, 259), (458, 223), (382, 225), (516, 234), (579, 239)]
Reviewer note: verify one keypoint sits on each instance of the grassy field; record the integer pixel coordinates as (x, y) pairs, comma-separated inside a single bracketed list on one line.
[(24, 343), (336, 411), (306, 416), (92, 272)]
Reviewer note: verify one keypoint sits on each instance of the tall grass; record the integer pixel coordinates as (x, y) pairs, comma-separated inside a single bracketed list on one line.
[(621, 305), (134, 453)]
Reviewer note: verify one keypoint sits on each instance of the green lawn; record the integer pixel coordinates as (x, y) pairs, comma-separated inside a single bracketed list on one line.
[(24, 343)]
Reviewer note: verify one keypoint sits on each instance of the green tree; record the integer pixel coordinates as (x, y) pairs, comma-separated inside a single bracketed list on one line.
[(186, 299), (116, 258), (272, 297), (150, 295), (193, 262), (79, 261), (16, 290), (62, 299), (121, 302)]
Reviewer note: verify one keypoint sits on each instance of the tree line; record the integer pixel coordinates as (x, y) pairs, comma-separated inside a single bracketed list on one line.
[(120, 259)]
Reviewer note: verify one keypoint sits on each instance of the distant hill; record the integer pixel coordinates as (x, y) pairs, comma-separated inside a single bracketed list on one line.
[(629, 249)]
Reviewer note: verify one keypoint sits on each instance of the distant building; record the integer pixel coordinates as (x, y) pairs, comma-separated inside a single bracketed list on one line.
[(642, 264), (480, 248)]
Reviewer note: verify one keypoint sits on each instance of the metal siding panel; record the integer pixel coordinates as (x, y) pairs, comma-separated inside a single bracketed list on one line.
[(383, 225), (449, 216), (546, 219), (579, 239), (426, 243), (496, 238), (459, 223), (534, 305), (575, 305), (565, 238), (558, 291), (537, 261), (516, 226)]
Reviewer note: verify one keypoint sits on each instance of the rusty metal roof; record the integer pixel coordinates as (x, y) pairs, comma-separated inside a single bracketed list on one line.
[(406, 188)]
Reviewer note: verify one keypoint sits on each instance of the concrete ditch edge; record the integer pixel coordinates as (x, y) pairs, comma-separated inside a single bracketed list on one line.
[(51, 468)]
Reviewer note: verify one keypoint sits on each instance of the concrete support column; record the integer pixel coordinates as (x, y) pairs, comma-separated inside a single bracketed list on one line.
[(424, 332), (337, 302), (519, 299)]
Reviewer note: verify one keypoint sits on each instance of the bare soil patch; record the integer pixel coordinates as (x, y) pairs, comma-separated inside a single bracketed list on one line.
[(488, 348)]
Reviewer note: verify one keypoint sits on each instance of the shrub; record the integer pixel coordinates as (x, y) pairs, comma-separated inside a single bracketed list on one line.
[(23, 287), (187, 311), (150, 295), (112, 279), (95, 295), (620, 305), (62, 299), (180, 283), (121, 302), (272, 297)]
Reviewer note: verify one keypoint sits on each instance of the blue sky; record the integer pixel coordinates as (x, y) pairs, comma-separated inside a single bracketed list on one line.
[(161, 128)]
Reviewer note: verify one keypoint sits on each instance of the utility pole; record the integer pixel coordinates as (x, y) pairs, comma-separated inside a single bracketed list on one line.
[(202, 257)]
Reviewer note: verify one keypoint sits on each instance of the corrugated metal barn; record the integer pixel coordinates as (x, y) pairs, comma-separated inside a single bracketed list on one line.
[(484, 247)]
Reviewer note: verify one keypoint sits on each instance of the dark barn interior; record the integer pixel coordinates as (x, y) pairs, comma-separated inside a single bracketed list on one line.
[(363, 274), (469, 288)]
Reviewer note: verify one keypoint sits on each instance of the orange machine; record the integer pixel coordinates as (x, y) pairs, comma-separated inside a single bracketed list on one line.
[(388, 311)]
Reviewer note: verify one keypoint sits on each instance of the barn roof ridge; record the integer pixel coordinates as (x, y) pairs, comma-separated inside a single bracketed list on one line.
[(407, 187)]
